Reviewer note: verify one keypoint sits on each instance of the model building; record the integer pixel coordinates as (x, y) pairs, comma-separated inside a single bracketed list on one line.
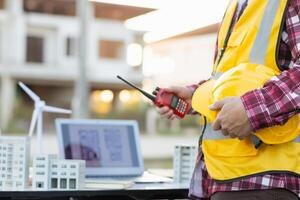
[(184, 163), (14, 162), (50, 173)]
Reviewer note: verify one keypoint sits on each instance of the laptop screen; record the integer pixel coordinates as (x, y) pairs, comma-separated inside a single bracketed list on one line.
[(103, 144), (100, 146)]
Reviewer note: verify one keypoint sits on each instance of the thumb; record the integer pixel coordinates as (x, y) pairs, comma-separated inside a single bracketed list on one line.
[(217, 105)]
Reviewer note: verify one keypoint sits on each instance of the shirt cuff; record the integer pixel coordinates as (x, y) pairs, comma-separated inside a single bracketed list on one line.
[(256, 109)]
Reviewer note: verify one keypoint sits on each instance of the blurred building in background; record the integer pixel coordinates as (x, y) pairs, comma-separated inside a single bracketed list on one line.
[(38, 45), (150, 43)]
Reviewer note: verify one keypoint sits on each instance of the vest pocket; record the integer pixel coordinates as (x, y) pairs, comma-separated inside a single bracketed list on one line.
[(236, 38), (232, 54), (229, 147)]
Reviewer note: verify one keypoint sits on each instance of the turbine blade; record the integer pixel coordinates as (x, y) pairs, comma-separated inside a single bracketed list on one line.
[(52, 109), (33, 122), (29, 92)]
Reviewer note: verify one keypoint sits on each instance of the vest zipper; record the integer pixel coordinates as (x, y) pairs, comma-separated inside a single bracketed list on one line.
[(223, 49)]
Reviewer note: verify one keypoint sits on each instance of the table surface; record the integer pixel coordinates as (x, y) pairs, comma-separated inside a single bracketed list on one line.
[(137, 192)]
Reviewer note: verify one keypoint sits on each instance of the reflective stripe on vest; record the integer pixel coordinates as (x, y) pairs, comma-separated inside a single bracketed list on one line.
[(217, 75), (211, 134), (259, 50), (297, 139)]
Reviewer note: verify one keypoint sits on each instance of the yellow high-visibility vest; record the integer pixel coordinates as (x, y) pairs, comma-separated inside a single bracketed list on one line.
[(247, 59)]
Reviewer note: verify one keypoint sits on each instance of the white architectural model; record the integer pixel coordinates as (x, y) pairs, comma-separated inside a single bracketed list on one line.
[(50, 173), (14, 162), (184, 163), (37, 116)]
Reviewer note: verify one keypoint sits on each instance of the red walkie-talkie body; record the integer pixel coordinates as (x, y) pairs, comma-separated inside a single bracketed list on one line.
[(164, 98), (179, 106)]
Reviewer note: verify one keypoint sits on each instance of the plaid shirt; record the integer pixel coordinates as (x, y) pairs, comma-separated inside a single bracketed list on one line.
[(274, 103)]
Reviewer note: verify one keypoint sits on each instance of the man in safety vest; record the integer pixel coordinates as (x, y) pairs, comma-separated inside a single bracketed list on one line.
[(250, 106)]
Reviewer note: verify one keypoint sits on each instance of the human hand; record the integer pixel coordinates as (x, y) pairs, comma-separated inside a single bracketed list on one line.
[(232, 119), (182, 92)]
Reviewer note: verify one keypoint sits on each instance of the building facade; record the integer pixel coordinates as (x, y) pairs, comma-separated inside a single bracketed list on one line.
[(14, 162), (50, 173)]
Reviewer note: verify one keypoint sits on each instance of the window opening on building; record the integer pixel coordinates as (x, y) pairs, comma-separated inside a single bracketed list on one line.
[(39, 184), (54, 183), (63, 183), (35, 49), (2, 4), (71, 47), (111, 49), (55, 7), (72, 183)]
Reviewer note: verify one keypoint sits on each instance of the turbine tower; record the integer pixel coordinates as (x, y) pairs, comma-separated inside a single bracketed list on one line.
[(37, 117)]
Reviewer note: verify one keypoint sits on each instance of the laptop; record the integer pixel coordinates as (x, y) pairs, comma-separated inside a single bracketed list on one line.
[(111, 148)]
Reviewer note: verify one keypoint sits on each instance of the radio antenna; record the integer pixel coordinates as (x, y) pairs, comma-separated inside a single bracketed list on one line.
[(151, 97)]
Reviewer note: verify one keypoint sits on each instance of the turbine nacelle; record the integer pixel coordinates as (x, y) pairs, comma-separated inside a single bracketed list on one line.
[(39, 104)]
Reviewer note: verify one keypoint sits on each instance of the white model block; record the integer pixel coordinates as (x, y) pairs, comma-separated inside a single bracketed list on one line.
[(67, 174), (56, 174), (41, 171), (14, 162), (184, 162)]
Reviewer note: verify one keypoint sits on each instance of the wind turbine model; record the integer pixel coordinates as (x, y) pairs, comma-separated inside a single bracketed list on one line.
[(37, 116)]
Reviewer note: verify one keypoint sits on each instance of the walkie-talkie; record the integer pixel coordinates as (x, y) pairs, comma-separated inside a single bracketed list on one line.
[(162, 98)]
